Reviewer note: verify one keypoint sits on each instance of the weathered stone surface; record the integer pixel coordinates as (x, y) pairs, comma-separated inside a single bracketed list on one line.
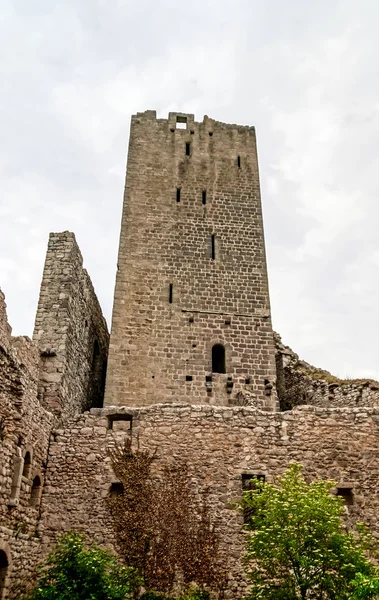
[(219, 446), (70, 332), (300, 383), (161, 351), (63, 371), (25, 430)]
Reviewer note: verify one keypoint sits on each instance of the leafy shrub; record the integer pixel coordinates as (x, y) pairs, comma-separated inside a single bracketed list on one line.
[(75, 572)]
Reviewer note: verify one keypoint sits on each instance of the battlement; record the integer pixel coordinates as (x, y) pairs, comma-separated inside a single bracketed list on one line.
[(179, 121)]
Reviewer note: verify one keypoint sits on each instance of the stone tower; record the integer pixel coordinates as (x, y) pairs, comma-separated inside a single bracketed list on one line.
[(191, 317)]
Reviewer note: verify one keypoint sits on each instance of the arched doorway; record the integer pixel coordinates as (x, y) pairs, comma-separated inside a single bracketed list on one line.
[(4, 565)]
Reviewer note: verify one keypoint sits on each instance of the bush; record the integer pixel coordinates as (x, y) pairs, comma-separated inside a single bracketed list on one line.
[(76, 572)]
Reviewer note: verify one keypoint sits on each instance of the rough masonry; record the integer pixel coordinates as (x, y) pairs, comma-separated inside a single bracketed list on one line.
[(220, 445), (191, 273), (43, 382), (70, 331), (195, 372)]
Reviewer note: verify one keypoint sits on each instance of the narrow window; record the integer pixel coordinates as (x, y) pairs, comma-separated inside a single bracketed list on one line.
[(218, 359), (213, 246), (347, 494), (188, 148), (204, 196), (96, 382), (27, 465), (36, 491), (178, 194), (239, 162), (188, 377), (170, 293), (4, 564), (95, 356), (116, 489)]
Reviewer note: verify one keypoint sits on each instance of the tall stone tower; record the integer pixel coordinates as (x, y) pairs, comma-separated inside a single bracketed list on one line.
[(191, 318)]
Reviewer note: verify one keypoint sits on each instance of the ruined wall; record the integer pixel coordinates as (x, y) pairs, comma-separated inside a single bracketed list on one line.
[(299, 383), (219, 445), (24, 438), (65, 374), (184, 186), (70, 331)]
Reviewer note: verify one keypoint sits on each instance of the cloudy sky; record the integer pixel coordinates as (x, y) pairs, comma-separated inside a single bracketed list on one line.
[(304, 73)]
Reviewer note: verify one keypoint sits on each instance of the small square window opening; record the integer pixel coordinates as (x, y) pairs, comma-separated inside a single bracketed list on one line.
[(347, 494), (181, 122)]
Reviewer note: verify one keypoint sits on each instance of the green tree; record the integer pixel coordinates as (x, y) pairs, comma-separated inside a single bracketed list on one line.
[(297, 547), (75, 572), (365, 587)]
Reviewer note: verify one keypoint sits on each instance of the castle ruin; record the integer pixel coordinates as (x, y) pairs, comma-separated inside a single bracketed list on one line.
[(194, 368)]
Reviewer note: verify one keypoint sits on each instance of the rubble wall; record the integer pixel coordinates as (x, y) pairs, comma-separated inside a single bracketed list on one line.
[(299, 383), (70, 331), (219, 445), (24, 441)]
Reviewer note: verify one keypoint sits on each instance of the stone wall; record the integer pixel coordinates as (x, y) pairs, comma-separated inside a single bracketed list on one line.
[(40, 387), (219, 444), (70, 331), (24, 439), (191, 268), (299, 383)]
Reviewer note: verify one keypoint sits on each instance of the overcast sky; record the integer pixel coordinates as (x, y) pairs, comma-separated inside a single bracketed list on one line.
[(304, 73)]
